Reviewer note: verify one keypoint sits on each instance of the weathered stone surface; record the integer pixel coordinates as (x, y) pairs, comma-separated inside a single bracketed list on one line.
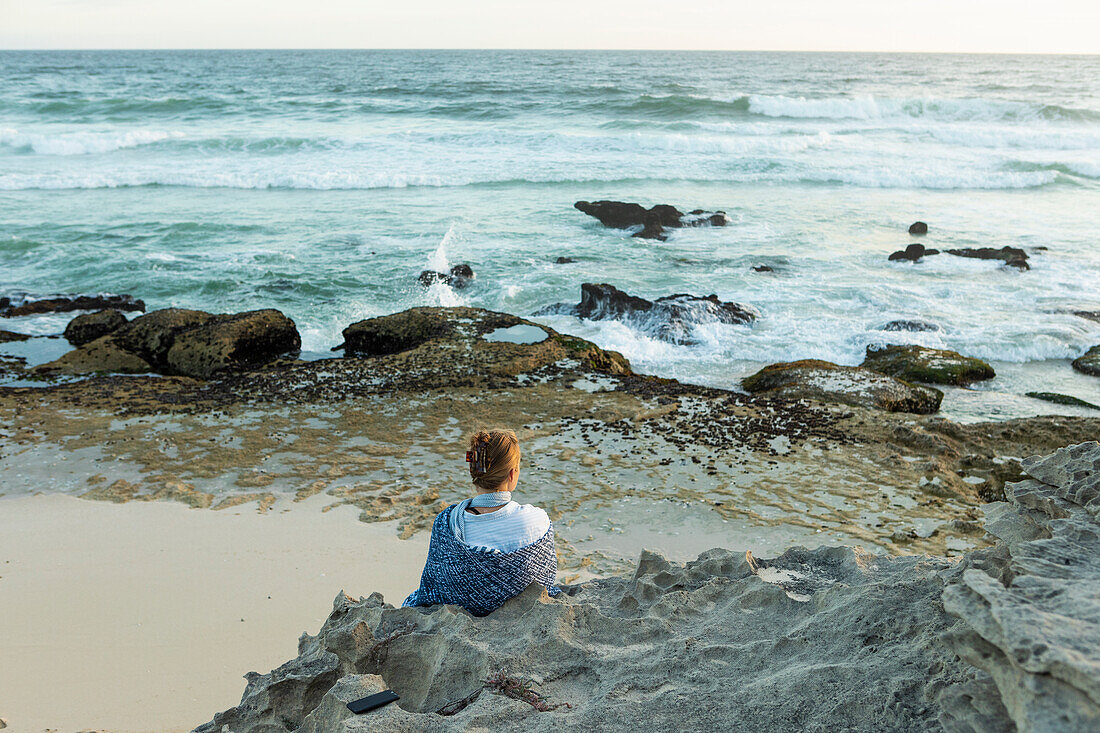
[(922, 364), (1029, 611), (670, 318), (152, 335), (827, 382), (90, 326), (103, 355), (24, 305), (7, 337), (1012, 256), (1062, 399), (449, 340), (1089, 362), (918, 227), (186, 343), (232, 342)]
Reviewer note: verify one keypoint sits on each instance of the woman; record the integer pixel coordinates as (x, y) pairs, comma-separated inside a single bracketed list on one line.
[(488, 548)]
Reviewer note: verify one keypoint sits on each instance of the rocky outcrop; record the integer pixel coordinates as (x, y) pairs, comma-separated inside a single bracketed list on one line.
[(90, 326), (824, 381), (459, 277), (918, 227), (623, 215), (669, 318), (564, 261), (1089, 362), (1012, 256), (1029, 614), (471, 342), (186, 343), (826, 639), (930, 366), (27, 305)]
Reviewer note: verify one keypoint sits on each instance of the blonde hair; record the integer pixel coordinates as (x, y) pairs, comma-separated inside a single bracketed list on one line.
[(500, 454)]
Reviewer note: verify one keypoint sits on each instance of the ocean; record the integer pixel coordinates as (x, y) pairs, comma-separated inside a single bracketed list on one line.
[(322, 182)]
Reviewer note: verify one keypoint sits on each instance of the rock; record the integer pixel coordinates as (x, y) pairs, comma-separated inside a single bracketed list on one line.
[(152, 335), (651, 228), (827, 382), (1012, 256), (623, 215), (459, 277), (1029, 614), (102, 356), (232, 343), (186, 343), (23, 305), (90, 326), (1062, 399), (922, 364), (1089, 315), (564, 261), (670, 318), (906, 325), (7, 337), (395, 333), (1089, 362), (762, 268), (918, 227), (448, 346), (913, 253)]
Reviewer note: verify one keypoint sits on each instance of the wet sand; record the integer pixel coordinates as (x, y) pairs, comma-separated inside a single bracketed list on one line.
[(142, 616)]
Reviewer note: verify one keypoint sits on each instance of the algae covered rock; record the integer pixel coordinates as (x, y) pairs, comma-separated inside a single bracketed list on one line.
[(1062, 399), (233, 342), (7, 337), (24, 304), (184, 342), (90, 326), (1089, 363), (922, 364), (395, 333), (827, 382)]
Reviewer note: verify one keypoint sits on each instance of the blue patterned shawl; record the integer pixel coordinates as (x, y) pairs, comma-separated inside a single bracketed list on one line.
[(481, 580)]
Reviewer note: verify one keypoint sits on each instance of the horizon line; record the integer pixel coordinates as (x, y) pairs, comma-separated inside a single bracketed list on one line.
[(572, 50)]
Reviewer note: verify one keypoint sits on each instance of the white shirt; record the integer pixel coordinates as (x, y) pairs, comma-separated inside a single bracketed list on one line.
[(506, 530)]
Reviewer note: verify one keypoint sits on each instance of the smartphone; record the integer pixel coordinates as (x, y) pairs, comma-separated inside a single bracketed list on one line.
[(370, 702)]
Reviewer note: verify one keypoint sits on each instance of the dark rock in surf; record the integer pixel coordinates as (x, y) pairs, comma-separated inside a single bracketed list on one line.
[(762, 268), (1012, 256), (922, 364), (1088, 315), (824, 381), (564, 261), (651, 228), (918, 227), (670, 318), (1089, 363), (90, 326), (22, 305), (906, 325), (459, 277), (623, 215), (913, 253)]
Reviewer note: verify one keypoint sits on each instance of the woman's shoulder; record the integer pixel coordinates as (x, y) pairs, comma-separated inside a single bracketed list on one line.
[(534, 515)]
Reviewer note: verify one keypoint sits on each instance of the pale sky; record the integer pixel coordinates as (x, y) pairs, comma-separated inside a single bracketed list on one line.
[(1010, 26)]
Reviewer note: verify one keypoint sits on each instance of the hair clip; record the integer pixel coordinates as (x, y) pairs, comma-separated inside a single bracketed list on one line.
[(476, 457)]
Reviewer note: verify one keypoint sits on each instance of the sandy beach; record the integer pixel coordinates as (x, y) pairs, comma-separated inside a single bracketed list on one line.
[(143, 617)]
